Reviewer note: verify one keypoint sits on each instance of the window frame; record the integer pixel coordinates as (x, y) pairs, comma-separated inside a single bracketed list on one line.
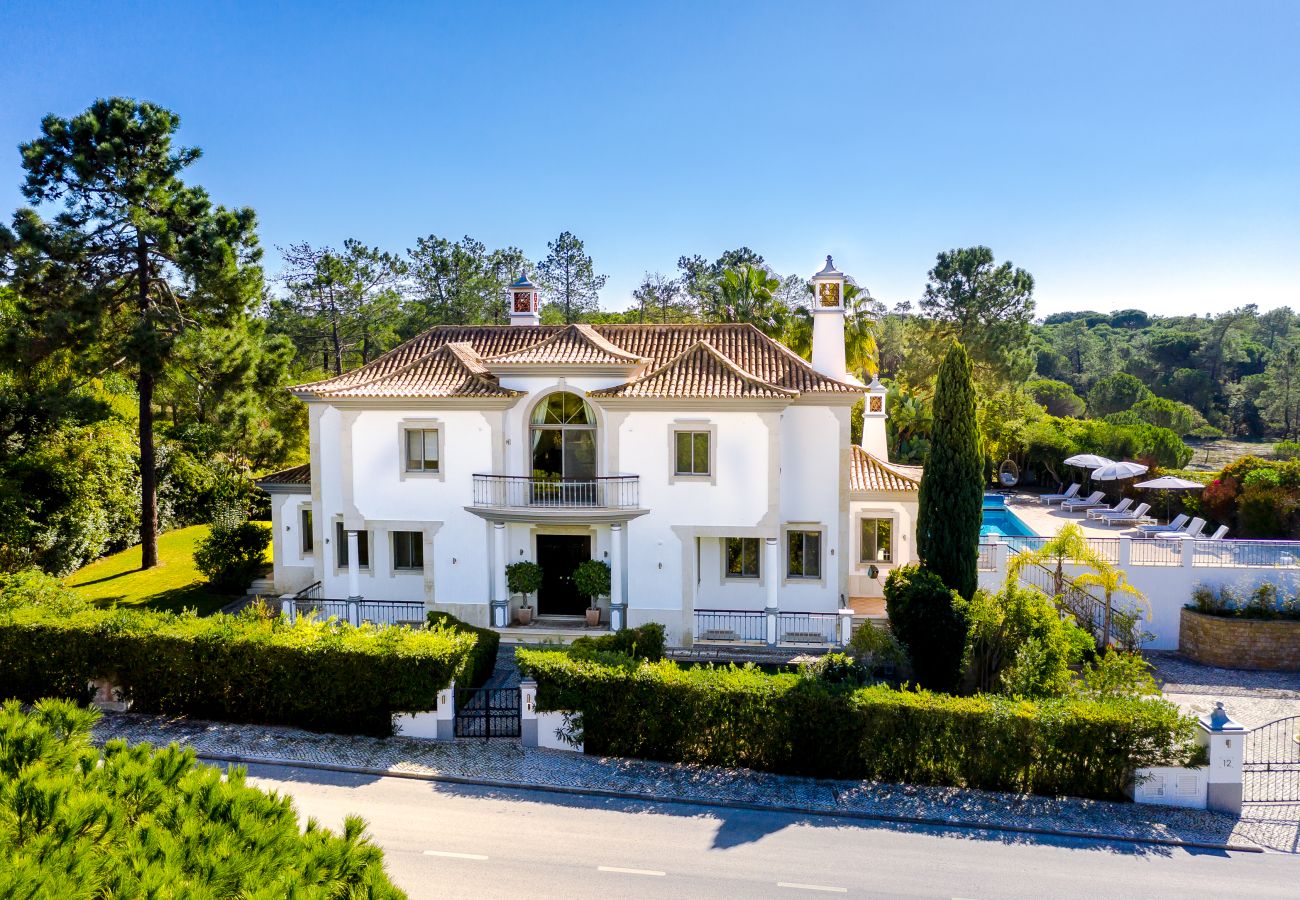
[(728, 575), (422, 425), (307, 533), (693, 426), (341, 548), (415, 540), (863, 559), (804, 532)]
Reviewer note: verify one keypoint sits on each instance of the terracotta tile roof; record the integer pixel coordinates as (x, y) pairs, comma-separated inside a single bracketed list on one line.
[(452, 370), (744, 346), (293, 475), (867, 473), (575, 344), (700, 372)]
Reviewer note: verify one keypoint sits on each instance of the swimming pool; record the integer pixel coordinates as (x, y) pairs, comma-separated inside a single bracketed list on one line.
[(998, 521)]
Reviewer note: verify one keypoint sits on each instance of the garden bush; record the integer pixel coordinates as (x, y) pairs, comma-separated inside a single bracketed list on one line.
[(930, 622), (1265, 602), (741, 716), (232, 554), (643, 642), (1020, 644), (231, 668), (121, 821), (480, 661)]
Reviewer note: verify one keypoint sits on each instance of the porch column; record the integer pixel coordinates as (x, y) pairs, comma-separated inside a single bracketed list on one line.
[(500, 599), (354, 567), (617, 605), (772, 568)]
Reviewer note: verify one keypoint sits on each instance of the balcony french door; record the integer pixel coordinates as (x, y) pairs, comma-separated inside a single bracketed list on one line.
[(563, 444)]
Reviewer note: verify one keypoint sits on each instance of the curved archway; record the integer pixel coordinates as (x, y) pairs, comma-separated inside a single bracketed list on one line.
[(562, 438)]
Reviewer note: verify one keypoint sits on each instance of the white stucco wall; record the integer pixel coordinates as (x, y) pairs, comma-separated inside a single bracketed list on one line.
[(902, 509), (292, 569)]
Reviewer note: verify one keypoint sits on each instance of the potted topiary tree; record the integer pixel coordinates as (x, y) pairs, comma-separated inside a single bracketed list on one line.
[(591, 579), (524, 577)]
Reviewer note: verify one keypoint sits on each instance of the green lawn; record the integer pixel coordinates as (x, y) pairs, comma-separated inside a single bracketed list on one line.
[(173, 585)]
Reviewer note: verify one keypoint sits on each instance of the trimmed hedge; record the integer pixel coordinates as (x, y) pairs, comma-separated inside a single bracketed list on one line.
[(643, 642), (786, 723), (231, 668), (480, 661)]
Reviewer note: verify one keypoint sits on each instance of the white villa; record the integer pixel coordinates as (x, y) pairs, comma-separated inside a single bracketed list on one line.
[(710, 466)]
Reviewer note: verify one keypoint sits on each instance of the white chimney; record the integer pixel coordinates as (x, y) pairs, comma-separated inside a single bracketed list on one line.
[(875, 440), (525, 302), (828, 322)]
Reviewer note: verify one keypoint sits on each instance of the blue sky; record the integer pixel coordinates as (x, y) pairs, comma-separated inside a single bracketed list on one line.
[(1127, 154)]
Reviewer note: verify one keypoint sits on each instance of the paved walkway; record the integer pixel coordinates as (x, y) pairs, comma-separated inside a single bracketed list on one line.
[(505, 763)]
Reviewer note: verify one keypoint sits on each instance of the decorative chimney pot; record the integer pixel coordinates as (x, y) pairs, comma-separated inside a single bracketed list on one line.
[(524, 299)]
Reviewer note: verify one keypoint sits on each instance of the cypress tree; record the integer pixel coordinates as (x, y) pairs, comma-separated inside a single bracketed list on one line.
[(952, 487)]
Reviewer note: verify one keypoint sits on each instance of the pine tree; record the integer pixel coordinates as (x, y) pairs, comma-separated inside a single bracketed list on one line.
[(952, 487), (569, 277), (135, 258)]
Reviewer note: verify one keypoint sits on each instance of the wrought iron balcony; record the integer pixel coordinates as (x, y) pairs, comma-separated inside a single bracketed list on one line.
[(539, 492)]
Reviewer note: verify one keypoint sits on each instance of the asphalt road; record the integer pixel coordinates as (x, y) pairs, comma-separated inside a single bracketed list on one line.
[(445, 840)]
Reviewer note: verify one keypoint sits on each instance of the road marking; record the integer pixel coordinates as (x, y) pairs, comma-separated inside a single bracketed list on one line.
[(623, 871), (812, 887), (450, 855)]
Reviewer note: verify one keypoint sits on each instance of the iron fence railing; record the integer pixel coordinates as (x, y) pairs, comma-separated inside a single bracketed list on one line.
[(310, 592), (1155, 553), (376, 612), (807, 628), (728, 625), (1244, 554), (988, 558), (610, 492)]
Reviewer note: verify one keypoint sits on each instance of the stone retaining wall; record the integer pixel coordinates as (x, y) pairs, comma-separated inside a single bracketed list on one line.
[(1272, 645)]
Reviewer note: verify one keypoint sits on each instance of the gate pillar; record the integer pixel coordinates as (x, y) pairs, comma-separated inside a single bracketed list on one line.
[(528, 712), (1225, 740)]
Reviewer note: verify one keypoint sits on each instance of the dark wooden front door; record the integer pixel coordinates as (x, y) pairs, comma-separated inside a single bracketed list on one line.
[(559, 555)]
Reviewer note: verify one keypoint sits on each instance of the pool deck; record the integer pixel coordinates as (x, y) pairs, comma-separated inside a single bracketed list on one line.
[(1047, 520)]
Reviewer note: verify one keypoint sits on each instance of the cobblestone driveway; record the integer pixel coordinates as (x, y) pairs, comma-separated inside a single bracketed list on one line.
[(1253, 699)]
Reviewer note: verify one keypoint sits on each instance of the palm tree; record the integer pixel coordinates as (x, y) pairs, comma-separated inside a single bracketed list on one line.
[(748, 294), (861, 350), (1111, 580), (1070, 543)]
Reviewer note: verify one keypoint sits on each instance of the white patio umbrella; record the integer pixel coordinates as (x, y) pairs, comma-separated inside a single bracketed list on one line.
[(1088, 461), (1169, 483), (1118, 471)]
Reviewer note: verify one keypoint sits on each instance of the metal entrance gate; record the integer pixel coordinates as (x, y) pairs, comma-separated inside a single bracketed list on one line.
[(1270, 770), (487, 712)]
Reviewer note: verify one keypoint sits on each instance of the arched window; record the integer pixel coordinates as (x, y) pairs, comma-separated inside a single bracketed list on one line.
[(563, 438)]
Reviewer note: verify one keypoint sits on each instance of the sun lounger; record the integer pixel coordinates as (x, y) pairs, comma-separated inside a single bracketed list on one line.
[(1049, 499), (1129, 517), (1118, 509), (1093, 501), (1153, 529), (1191, 532)]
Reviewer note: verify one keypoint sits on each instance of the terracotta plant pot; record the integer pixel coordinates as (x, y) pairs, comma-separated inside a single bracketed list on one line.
[(524, 615), (593, 617)]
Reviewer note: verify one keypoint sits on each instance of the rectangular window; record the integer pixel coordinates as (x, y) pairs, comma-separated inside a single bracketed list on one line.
[(422, 450), (308, 537), (804, 554), (363, 547), (742, 557), (408, 551), (877, 540), (692, 453)]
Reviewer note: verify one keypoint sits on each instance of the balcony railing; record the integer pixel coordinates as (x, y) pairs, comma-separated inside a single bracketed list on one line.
[(611, 492)]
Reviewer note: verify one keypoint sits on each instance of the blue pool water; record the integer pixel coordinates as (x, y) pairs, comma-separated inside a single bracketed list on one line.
[(998, 521)]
